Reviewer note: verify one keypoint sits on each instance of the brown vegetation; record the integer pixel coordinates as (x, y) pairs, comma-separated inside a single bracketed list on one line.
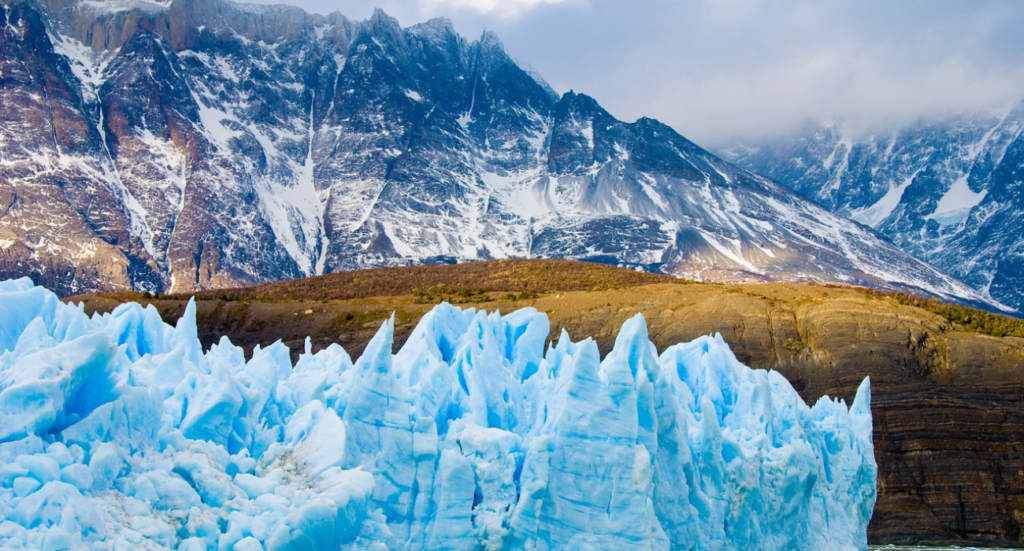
[(504, 276)]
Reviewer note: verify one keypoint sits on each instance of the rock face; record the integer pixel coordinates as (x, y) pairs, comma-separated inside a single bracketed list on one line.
[(951, 459), (184, 144), (948, 191)]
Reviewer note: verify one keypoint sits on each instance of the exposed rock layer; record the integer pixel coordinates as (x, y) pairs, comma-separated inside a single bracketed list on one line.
[(947, 403)]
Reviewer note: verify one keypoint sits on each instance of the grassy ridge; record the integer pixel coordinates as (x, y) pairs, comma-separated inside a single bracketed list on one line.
[(495, 276), (517, 280)]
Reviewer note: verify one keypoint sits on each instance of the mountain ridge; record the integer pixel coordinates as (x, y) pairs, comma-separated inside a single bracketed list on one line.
[(946, 189), (212, 158)]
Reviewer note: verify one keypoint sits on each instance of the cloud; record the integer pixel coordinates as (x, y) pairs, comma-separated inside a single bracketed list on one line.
[(503, 8), (724, 69), (720, 69)]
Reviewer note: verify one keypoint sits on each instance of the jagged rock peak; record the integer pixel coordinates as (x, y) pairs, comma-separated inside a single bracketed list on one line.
[(490, 39), (108, 24), (440, 25), (438, 30), (579, 105), (381, 25)]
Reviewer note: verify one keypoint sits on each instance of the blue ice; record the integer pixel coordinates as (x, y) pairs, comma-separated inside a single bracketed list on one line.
[(118, 431)]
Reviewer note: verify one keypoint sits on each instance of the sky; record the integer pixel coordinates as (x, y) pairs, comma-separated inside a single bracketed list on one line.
[(725, 70)]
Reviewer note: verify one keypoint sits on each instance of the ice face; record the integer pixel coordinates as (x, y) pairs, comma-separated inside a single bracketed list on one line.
[(118, 431)]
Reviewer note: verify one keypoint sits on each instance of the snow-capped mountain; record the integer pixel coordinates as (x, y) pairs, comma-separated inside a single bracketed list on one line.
[(188, 144), (948, 191)]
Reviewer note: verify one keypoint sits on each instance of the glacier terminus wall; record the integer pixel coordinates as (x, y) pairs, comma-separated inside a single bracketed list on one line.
[(118, 431)]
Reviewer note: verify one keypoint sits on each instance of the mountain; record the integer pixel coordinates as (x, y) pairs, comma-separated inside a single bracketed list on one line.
[(181, 145), (947, 190)]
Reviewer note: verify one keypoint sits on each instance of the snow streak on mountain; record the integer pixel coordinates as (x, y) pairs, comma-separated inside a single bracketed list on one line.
[(947, 190), (180, 145)]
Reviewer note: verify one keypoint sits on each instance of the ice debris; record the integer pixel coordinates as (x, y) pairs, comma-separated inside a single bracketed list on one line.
[(118, 431)]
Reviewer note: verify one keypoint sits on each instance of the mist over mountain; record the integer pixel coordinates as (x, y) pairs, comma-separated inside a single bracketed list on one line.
[(180, 145), (948, 190)]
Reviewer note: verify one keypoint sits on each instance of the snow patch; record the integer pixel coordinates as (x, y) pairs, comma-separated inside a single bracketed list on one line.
[(114, 6), (733, 252), (875, 214), (587, 130), (957, 203), (88, 66), (213, 124)]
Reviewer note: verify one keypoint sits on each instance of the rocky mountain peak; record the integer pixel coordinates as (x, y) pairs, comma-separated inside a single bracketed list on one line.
[(441, 28), (108, 24), (490, 52), (381, 26), (490, 41), (573, 104), (579, 134)]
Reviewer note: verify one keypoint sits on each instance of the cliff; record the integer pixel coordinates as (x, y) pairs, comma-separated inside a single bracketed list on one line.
[(949, 425)]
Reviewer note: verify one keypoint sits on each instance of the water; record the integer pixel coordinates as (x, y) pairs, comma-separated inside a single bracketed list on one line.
[(923, 548)]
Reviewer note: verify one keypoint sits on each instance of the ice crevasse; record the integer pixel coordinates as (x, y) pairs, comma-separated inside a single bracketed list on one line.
[(118, 431)]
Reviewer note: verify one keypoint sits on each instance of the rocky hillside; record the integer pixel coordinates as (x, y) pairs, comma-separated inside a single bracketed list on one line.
[(946, 398), (180, 145), (948, 191)]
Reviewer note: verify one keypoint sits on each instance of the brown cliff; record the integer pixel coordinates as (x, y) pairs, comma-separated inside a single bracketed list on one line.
[(948, 402)]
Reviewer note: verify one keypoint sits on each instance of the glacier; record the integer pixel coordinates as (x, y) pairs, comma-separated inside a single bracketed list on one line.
[(118, 431)]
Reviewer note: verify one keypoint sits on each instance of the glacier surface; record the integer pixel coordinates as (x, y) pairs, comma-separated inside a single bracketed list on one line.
[(118, 431)]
